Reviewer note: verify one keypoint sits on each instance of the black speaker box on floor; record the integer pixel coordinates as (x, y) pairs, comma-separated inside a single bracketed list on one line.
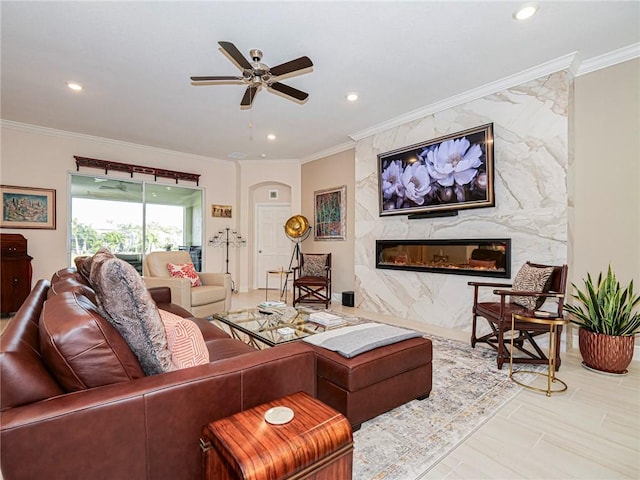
[(347, 299)]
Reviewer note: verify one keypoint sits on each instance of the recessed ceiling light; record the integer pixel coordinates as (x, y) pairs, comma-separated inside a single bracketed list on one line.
[(352, 97), (263, 155), (525, 11), (271, 136), (76, 87)]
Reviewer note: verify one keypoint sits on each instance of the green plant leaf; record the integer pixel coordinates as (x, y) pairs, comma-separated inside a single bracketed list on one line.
[(605, 306)]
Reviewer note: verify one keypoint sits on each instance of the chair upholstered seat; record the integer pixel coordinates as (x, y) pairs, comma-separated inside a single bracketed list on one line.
[(206, 294)]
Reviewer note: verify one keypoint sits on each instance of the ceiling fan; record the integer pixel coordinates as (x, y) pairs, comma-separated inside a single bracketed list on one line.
[(256, 74)]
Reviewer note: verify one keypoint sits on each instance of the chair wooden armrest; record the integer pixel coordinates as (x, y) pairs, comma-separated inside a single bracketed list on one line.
[(520, 293), (488, 284)]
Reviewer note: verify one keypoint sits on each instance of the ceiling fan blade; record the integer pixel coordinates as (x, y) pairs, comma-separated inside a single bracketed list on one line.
[(215, 79), (290, 91), (234, 53), (291, 66), (249, 95)]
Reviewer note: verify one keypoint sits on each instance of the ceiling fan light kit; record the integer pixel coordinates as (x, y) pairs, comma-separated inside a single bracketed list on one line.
[(256, 74)]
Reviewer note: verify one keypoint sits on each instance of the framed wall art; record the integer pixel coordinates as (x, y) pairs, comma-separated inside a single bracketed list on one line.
[(26, 207), (446, 174), (330, 210), (221, 211)]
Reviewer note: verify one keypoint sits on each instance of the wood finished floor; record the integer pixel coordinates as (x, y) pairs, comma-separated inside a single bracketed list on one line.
[(592, 431)]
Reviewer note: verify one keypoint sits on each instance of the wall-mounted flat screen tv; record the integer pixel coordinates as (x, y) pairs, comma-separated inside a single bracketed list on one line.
[(444, 175)]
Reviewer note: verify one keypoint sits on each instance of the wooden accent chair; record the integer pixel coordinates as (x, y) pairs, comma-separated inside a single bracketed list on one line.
[(522, 301), (312, 279)]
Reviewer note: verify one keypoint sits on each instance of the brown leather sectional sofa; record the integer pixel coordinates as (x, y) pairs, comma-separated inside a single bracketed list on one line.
[(132, 426), (94, 414)]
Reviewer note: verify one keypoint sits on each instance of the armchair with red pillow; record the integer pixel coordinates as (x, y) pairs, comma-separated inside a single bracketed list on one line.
[(202, 294)]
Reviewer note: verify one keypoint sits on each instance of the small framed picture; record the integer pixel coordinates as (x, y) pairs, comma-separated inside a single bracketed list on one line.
[(27, 207), (221, 211)]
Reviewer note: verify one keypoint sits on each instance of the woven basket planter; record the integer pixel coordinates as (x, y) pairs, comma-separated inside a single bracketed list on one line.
[(606, 353)]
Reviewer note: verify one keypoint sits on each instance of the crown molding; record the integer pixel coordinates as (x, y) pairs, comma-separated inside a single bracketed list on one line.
[(343, 147), (52, 132), (609, 59), (268, 161), (532, 73)]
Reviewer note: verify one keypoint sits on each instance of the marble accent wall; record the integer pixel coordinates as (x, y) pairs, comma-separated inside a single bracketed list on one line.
[(531, 158)]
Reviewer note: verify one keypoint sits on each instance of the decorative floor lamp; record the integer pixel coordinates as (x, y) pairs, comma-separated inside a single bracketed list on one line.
[(297, 229), (228, 238)]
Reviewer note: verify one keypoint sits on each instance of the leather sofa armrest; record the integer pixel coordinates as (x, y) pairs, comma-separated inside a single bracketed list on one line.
[(146, 412), (180, 289), (160, 294)]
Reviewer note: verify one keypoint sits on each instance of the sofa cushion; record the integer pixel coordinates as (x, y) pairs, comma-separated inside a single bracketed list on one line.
[(71, 283), (184, 270), (80, 347), (128, 306), (531, 279), (207, 294), (185, 341)]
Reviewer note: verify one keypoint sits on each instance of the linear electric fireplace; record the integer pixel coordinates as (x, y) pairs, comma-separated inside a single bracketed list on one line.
[(484, 258)]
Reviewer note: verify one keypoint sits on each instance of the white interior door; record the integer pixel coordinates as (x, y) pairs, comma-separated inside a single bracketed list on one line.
[(273, 247)]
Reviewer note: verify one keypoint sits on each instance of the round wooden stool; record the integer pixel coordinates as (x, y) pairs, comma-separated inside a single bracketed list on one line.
[(553, 322)]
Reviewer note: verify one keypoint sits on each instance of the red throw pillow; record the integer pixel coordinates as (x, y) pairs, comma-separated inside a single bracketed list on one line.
[(184, 270)]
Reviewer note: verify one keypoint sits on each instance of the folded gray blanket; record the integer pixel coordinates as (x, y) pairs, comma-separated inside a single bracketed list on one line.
[(351, 341)]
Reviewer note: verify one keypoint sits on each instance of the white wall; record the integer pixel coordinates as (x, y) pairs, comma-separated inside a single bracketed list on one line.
[(254, 176), (531, 158), (38, 157)]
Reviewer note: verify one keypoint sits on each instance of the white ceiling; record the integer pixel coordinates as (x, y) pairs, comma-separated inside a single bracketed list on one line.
[(135, 59)]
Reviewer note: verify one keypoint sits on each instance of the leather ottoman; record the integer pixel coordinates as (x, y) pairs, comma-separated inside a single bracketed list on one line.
[(376, 381)]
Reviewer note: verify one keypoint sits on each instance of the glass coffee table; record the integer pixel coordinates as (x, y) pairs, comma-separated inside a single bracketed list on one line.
[(262, 328)]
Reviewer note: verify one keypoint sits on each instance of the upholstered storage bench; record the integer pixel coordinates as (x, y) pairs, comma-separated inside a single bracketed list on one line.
[(376, 381)]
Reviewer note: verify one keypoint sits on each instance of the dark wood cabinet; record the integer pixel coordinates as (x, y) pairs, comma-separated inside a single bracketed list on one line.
[(16, 272)]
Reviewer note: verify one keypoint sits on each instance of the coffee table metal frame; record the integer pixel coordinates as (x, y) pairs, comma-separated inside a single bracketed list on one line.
[(261, 330)]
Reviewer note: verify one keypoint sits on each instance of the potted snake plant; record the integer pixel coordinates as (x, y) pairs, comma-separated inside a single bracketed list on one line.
[(607, 315)]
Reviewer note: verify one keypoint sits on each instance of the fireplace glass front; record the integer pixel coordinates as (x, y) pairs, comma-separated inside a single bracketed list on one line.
[(484, 258)]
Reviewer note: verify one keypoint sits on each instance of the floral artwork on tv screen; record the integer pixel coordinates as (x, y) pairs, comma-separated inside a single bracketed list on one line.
[(446, 174)]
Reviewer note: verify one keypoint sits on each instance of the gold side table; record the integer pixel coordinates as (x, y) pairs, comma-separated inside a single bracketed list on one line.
[(283, 292), (553, 323)]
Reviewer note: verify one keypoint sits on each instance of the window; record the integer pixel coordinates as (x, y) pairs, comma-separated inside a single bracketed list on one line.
[(132, 217)]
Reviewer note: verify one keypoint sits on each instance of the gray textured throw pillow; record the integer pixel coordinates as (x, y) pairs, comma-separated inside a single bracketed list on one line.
[(128, 306), (531, 279), (314, 266)]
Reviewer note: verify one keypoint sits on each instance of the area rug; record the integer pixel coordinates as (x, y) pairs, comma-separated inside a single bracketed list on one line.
[(407, 442)]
